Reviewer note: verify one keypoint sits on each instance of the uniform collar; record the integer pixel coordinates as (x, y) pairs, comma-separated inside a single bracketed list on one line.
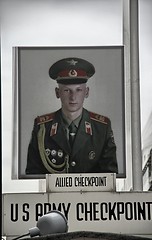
[(84, 132), (67, 122)]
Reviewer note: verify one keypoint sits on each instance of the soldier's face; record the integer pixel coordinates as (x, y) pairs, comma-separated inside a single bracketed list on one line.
[(72, 96)]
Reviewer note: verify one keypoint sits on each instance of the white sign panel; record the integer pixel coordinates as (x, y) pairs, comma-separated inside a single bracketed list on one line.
[(80, 182), (126, 213)]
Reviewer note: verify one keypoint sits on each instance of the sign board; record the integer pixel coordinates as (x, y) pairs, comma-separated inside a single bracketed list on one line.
[(32, 65), (114, 212), (81, 182)]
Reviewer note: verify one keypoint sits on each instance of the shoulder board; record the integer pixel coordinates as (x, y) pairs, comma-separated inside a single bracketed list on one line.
[(45, 118), (99, 118)]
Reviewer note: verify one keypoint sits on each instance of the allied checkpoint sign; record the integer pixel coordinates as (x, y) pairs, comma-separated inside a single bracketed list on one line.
[(99, 211), (81, 182)]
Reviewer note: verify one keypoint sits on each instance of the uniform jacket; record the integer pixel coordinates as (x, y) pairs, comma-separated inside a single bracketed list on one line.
[(94, 149)]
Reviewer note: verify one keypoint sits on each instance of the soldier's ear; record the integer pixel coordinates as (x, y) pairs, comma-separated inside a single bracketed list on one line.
[(57, 92), (87, 92)]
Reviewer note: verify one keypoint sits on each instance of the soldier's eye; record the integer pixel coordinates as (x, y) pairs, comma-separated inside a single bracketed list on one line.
[(79, 89), (66, 90)]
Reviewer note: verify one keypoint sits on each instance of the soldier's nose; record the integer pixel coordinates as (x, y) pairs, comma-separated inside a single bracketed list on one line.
[(72, 96)]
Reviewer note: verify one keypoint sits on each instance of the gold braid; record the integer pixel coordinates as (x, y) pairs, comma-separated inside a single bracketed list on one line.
[(46, 161)]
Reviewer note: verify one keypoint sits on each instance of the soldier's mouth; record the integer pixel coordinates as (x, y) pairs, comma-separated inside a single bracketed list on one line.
[(72, 103)]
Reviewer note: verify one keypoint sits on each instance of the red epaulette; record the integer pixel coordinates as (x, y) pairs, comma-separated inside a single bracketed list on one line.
[(45, 118), (99, 118)]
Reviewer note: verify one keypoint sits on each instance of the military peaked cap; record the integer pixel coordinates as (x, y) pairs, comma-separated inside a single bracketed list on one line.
[(71, 71)]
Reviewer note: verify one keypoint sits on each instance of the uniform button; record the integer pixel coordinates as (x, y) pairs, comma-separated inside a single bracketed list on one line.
[(73, 164)]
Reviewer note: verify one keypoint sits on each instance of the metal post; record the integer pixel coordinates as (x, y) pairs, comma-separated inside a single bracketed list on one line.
[(135, 98), (126, 43)]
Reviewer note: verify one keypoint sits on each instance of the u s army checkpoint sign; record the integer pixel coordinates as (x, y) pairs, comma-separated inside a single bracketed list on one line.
[(115, 212), (127, 213)]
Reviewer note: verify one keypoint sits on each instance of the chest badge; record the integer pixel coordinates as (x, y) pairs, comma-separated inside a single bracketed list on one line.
[(53, 160), (54, 129), (60, 153), (92, 155), (48, 151), (88, 128), (53, 153)]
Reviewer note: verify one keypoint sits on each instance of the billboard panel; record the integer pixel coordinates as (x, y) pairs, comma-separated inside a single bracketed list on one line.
[(34, 95)]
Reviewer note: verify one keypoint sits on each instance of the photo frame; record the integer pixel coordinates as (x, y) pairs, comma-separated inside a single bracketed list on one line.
[(34, 95)]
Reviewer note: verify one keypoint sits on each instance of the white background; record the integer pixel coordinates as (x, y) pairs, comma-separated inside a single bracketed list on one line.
[(65, 23)]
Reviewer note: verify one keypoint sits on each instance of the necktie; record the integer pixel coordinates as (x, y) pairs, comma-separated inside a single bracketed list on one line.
[(72, 133)]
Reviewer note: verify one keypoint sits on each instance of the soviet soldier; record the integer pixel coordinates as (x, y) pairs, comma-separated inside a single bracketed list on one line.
[(72, 139)]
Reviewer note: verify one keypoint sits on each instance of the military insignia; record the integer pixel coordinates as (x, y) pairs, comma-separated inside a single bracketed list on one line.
[(98, 118), (48, 151), (60, 153), (45, 118), (54, 129), (53, 160), (72, 62), (91, 155), (53, 153), (88, 128), (72, 73)]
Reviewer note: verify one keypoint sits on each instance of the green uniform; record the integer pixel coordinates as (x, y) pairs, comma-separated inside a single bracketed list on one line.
[(93, 151)]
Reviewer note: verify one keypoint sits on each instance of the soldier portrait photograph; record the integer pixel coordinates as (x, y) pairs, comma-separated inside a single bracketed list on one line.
[(80, 129)]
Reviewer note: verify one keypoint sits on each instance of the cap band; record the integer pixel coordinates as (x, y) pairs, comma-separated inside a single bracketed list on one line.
[(71, 80), (72, 73)]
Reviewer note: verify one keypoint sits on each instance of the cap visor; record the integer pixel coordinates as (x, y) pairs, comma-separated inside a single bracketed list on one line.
[(72, 81)]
